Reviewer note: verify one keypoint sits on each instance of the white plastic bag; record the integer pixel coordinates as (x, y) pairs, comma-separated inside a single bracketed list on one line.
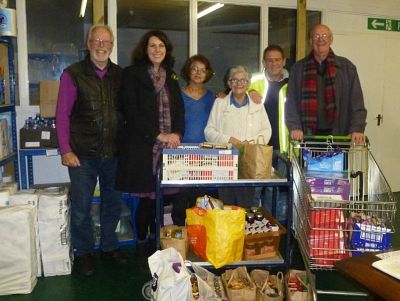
[(172, 279)]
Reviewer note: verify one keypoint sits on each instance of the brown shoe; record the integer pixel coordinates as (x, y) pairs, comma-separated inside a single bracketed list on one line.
[(84, 265), (115, 255)]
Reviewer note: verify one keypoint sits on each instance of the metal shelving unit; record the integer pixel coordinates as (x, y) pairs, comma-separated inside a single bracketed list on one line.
[(9, 108)]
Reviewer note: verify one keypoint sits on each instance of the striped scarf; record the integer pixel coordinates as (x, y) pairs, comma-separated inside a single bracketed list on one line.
[(163, 101), (309, 101)]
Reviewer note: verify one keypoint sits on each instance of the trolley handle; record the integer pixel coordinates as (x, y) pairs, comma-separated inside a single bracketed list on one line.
[(331, 139)]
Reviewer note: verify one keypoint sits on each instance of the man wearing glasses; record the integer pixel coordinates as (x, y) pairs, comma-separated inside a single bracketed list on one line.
[(324, 95), (87, 125)]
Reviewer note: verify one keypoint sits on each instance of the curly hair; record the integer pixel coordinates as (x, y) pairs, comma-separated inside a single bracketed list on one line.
[(140, 53), (186, 69)]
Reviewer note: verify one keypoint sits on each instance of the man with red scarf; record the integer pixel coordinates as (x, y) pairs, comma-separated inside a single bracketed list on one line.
[(324, 95)]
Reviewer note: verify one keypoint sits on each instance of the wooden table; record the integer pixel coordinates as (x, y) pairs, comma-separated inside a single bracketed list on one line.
[(380, 285)]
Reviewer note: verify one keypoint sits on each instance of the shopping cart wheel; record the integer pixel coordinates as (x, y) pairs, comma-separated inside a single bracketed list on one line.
[(146, 290)]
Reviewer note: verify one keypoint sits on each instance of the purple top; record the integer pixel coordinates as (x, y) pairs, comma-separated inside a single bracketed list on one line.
[(66, 99)]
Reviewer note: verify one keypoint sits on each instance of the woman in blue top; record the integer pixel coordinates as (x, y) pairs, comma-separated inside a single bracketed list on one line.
[(197, 99), (198, 103)]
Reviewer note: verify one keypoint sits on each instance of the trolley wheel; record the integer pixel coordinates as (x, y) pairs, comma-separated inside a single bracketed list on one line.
[(146, 291)]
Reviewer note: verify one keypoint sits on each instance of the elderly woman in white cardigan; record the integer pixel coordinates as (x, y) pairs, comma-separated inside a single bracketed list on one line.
[(236, 119)]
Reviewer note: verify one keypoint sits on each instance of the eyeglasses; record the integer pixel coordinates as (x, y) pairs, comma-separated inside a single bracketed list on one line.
[(235, 81), (320, 36), (98, 42), (199, 70)]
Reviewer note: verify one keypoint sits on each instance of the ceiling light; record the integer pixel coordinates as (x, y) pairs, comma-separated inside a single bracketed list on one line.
[(209, 10), (83, 8)]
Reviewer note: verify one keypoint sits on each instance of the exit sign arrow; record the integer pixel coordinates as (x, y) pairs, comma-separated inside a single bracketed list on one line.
[(383, 24), (375, 23)]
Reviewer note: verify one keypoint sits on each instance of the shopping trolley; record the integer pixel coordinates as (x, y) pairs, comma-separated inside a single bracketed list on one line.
[(339, 213)]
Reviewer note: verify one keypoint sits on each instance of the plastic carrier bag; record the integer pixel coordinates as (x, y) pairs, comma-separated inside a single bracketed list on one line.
[(216, 235), (173, 281)]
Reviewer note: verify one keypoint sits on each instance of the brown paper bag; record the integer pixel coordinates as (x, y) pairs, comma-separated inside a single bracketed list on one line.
[(238, 285), (269, 287), (255, 160), (180, 244), (294, 280)]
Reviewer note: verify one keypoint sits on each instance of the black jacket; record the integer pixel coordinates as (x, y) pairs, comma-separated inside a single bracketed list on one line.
[(140, 111), (95, 117)]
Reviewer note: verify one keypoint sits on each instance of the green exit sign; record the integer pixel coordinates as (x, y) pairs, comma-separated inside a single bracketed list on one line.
[(383, 24)]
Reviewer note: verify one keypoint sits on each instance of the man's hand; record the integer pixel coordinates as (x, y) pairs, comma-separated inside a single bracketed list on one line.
[(255, 96), (357, 137), (70, 160), (297, 135)]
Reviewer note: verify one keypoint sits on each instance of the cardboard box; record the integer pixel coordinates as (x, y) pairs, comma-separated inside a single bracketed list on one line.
[(48, 97), (4, 75), (38, 138), (5, 141), (263, 245)]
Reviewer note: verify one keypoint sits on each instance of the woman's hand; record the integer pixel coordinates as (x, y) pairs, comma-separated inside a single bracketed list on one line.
[(171, 140), (235, 142)]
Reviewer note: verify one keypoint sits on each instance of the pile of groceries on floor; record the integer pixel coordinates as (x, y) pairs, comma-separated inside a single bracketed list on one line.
[(222, 235), (177, 279)]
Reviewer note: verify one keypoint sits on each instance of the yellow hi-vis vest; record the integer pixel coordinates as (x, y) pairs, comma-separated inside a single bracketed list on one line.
[(260, 84)]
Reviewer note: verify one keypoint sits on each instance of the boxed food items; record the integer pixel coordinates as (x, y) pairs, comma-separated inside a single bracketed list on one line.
[(327, 239), (238, 285), (262, 235), (370, 234), (333, 186), (33, 138), (172, 236), (325, 161)]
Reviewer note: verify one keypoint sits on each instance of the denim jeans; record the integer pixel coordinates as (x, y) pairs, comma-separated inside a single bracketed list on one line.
[(265, 195), (83, 182)]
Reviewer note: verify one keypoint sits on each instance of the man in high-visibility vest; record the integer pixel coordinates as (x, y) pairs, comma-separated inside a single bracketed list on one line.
[(269, 87)]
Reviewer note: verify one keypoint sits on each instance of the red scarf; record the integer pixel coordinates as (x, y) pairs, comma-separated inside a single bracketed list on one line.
[(309, 103)]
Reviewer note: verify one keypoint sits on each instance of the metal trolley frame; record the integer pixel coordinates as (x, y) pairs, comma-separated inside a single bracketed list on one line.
[(328, 229), (203, 180)]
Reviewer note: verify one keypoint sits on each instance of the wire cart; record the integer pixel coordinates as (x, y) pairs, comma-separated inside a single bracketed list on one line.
[(351, 212)]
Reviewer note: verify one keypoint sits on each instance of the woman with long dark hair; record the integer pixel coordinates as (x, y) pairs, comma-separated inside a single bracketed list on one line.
[(153, 110)]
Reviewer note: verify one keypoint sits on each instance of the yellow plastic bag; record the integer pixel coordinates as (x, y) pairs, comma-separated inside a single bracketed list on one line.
[(216, 235)]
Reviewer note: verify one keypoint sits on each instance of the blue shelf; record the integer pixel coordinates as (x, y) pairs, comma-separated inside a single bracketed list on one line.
[(10, 108), (27, 180)]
